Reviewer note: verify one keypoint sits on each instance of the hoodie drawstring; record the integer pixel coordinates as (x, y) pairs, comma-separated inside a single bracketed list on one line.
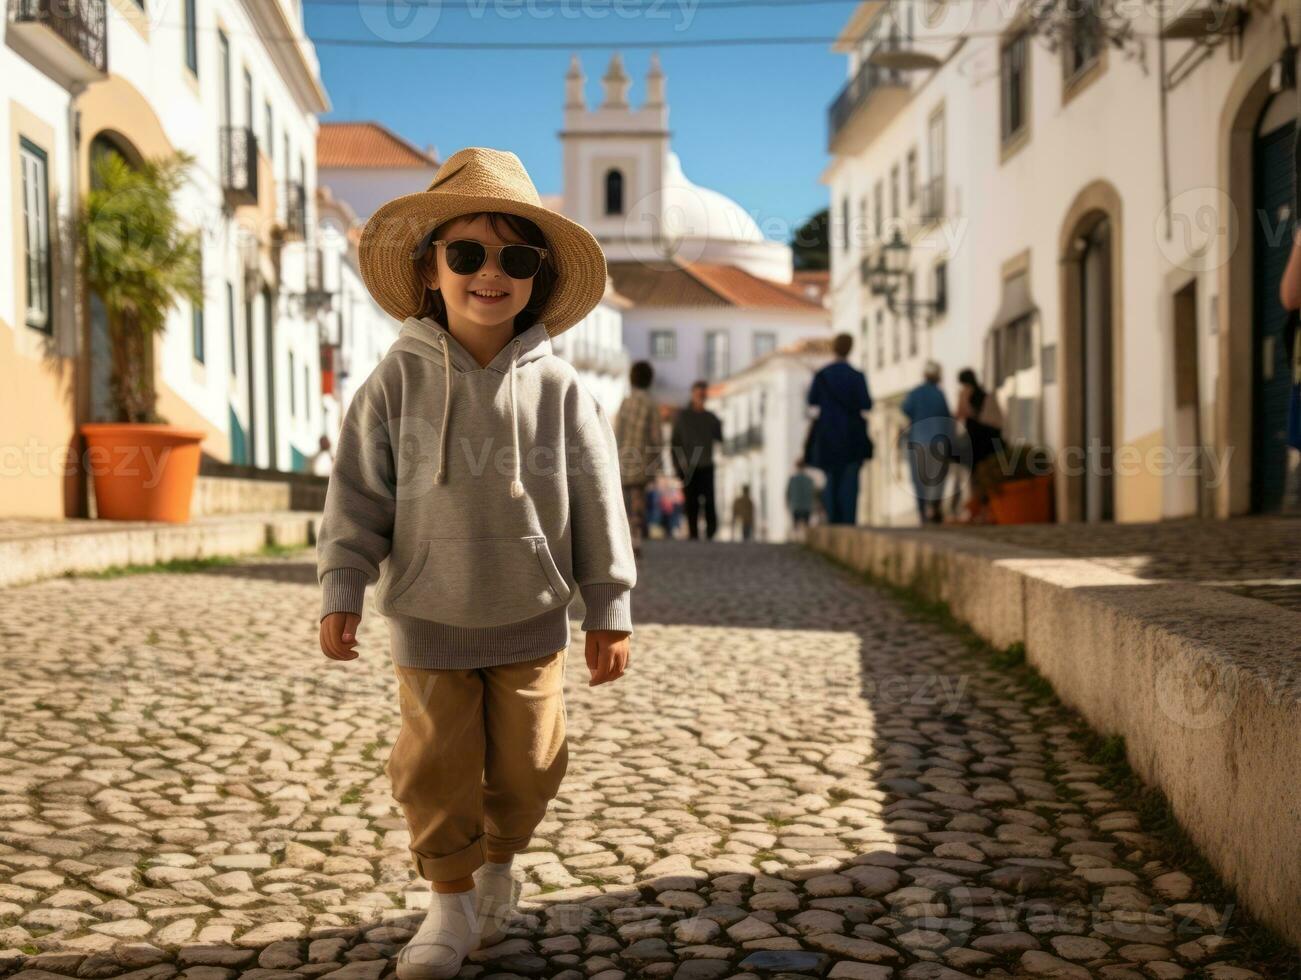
[(517, 485), (441, 475)]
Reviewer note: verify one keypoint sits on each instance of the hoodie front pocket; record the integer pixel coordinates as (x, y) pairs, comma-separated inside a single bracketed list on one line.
[(475, 582)]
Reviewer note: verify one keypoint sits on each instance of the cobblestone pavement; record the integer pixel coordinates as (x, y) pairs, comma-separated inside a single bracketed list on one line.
[(796, 778), (1259, 557)]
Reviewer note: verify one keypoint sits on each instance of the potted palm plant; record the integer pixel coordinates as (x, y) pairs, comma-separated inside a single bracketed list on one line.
[(139, 261)]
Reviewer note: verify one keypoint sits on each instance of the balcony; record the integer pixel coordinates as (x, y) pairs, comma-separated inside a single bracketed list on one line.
[(867, 102), (295, 211), (239, 165), (932, 201), (67, 39)]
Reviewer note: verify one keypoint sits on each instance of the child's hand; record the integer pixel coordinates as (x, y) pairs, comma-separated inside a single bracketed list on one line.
[(339, 635), (607, 655)]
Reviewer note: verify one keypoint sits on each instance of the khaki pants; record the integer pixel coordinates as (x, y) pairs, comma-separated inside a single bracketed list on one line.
[(480, 754)]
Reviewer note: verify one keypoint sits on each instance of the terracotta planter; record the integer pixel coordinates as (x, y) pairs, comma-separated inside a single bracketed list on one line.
[(142, 472), (1022, 501)]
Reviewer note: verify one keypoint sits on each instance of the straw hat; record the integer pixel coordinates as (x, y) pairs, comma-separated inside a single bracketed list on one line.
[(470, 180)]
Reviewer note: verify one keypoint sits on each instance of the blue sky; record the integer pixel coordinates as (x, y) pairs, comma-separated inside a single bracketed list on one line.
[(746, 121)]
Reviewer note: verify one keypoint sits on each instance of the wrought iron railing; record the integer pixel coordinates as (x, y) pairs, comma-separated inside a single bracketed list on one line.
[(295, 210), (239, 164), (932, 202), (82, 24), (858, 90)]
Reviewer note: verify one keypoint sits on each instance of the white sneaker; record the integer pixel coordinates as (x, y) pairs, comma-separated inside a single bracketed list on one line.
[(497, 893), (444, 939)]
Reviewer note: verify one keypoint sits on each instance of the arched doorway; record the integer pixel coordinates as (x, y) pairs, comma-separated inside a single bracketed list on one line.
[(1272, 205), (100, 405), (1088, 363)]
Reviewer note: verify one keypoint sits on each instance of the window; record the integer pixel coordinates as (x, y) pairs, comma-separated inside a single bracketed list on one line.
[(844, 223), (269, 119), (878, 194), (1084, 44), (716, 355), (880, 339), (896, 347), (248, 99), (223, 54), (941, 287), (1014, 84), (894, 191), (912, 320), (307, 392), (862, 219), (230, 324), (663, 344), (614, 192), (192, 36), (912, 176), (764, 344), (36, 234), (196, 319), (293, 405)]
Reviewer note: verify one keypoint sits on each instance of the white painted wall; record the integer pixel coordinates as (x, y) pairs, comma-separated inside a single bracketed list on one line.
[(366, 189)]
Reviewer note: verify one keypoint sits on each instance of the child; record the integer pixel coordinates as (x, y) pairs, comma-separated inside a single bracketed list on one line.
[(474, 465)]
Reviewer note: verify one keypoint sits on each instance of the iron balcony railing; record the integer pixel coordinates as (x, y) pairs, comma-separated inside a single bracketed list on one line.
[(857, 91), (932, 202), (82, 24), (295, 210), (239, 164)]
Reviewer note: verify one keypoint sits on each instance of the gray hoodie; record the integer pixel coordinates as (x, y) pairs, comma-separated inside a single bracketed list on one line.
[(480, 498)]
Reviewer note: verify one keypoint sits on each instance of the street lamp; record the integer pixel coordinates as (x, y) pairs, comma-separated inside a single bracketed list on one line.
[(889, 271)]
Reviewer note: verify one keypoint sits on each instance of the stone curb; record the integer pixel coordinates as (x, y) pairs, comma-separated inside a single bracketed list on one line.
[(1204, 685)]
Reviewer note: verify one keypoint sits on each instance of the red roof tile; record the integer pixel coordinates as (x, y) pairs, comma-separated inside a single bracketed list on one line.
[(706, 284), (366, 144)]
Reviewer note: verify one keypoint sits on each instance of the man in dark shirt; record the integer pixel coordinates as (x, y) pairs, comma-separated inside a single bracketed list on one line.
[(695, 431)]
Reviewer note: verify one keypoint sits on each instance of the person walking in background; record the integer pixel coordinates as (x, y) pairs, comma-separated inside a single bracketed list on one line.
[(929, 439), (695, 431), (799, 500), (838, 442), (323, 458), (743, 514), (979, 412), (637, 431)]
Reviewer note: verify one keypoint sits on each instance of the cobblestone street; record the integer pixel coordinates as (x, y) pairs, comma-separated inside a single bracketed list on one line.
[(798, 776)]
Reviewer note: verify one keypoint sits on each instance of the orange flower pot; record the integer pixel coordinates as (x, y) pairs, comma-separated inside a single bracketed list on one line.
[(1022, 501), (142, 472)]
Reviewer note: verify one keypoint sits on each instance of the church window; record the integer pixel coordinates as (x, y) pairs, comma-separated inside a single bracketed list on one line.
[(614, 192)]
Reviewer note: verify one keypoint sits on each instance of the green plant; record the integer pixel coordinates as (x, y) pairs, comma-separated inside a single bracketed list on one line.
[(139, 261)]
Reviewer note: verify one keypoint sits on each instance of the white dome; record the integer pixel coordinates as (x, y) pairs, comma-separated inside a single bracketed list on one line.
[(698, 212)]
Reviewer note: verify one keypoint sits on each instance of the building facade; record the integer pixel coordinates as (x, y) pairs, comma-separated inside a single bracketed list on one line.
[(709, 293), (764, 413), (1103, 226), (224, 86)]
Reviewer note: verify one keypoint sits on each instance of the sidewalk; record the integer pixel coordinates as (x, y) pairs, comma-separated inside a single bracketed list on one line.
[(35, 549), (1185, 638)]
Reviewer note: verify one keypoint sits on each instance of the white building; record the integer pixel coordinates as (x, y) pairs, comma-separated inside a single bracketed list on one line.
[(356, 333), (709, 293), (1102, 224), (219, 82), (765, 418), (366, 164)]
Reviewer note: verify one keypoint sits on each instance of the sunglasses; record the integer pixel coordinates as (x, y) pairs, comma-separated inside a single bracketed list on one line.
[(466, 257)]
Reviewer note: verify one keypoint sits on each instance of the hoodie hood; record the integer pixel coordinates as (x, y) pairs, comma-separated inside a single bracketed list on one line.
[(428, 339)]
